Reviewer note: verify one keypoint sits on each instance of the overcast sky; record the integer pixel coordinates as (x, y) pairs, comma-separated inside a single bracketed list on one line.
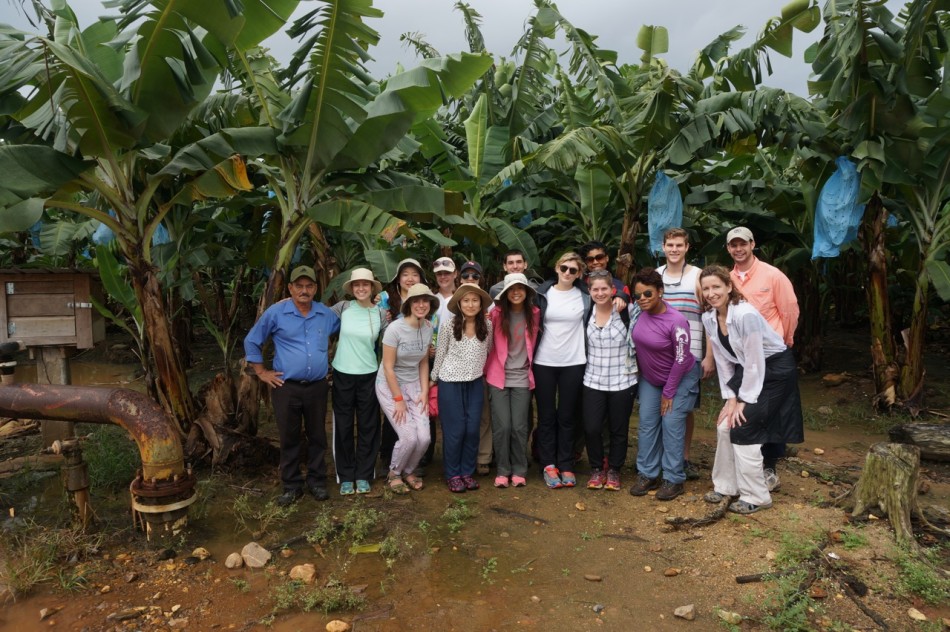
[(691, 23)]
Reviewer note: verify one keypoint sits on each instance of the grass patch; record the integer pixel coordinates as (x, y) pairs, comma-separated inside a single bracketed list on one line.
[(786, 607), (31, 555), (112, 457), (457, 514), (333, 597), (253, 517), (917, 577)]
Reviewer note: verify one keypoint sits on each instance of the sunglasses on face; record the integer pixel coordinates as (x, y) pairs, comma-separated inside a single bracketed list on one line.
[(595, 258), (471, 275), (644, 294), (568, 269)]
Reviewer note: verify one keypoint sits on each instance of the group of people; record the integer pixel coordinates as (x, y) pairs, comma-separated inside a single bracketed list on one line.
[(581, 344)]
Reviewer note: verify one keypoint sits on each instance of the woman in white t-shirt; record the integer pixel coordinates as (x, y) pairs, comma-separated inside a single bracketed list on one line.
[(559, 362)]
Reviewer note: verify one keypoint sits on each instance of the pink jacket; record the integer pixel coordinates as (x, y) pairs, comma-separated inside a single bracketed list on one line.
[(495, 366)]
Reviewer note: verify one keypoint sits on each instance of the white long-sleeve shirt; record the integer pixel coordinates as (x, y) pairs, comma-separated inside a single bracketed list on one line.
[(752, 340)]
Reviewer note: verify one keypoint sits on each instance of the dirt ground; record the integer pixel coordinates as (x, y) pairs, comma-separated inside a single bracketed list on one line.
[(527, 558)]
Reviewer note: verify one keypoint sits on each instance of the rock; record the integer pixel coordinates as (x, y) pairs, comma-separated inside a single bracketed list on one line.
[(338, 626), (770, 555), (304, 572), (504, 534), (178, 624), (732, 618), (286, 553), (131, 577), (687, 612), (663, 509), (671, 572), (647, 569), (656, 548), (105, 589), (125, 615), (598, 608), (234, 561), (254, 555), (946, 622), (46, 613), (535, 599), (191, 560), (593, 578), (167, 554), (916, 614), (580, 506), (201, 553), (818, 451), (176, 608), (805, 474), (825, 410), (817, 592)]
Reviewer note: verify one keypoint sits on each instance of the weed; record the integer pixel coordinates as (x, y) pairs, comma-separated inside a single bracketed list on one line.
[(71, 580), (524, 568), (324, 528), (565, 572), (757, 532), (334, 597), (852, 540), (456, 515), (396, 546), (359, 522), (112, 458), (587, 537), (31, 555), (786, 607), (916, 577), (490, 567), (206, 490), (247, 513), (240, 584), (284, 596), (796, 548)]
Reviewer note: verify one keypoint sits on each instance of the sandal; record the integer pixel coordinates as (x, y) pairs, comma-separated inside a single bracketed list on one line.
[(396, 484), (414, 482), (744, 508), (470, 483), (456, 485)]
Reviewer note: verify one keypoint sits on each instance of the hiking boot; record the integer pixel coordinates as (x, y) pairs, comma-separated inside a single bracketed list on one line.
[(669, 491), (692, 472), (289, 497), (319, 492), (643, 484), (771, 479)]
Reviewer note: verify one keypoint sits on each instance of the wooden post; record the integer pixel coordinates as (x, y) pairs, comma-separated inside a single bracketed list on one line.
[(52, 367), (889, 482)]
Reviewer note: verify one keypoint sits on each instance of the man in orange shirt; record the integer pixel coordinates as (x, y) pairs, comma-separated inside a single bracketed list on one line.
[(767, 289)]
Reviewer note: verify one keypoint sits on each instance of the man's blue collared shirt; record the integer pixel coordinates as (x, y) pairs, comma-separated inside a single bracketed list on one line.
[(301, 343)]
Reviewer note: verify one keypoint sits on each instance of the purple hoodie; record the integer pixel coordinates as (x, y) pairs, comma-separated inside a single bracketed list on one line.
[(662, 343)]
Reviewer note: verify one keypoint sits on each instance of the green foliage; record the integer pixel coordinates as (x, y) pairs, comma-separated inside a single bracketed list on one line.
[(488, 569), (112, 458), (457, 514), (253, 516), (31, 554), (919, 577), (333, 597), (786, 607)]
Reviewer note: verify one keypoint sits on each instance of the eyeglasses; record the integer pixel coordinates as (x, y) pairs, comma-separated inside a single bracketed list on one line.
[(471, 275), (677, 284), (644, 294), (444, 261), (568, 269), (596, 274), (595, 258)]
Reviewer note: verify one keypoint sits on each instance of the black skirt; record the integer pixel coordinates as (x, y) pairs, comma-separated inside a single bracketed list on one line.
[(777, 415)]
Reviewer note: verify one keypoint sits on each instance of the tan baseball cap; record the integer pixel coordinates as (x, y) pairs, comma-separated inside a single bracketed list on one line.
[(303, 271), (740, 232)]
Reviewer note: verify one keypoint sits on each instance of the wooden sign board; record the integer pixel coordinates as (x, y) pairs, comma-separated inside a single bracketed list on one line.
[(50, 308)]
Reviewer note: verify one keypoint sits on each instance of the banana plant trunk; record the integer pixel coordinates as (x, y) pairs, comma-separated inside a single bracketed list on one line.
[(912, 371), (172, 380), (810, 332), (626, 261), (883, 355)]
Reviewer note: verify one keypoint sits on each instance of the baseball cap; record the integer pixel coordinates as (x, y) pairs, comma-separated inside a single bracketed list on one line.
[(303, 271), (740, 232), (443, 264), (471, 265)]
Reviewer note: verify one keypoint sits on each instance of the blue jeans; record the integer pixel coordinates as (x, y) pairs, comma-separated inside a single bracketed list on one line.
[(661, 438), (460, 411)]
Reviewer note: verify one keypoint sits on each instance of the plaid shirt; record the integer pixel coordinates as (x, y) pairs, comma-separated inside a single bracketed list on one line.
[(611, 364)]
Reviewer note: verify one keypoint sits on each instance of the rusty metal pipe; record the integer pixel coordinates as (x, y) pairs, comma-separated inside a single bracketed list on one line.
[(154, 432)]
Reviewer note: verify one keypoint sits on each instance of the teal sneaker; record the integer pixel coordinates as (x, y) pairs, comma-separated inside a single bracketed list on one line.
[(362, 487), (346, 489)]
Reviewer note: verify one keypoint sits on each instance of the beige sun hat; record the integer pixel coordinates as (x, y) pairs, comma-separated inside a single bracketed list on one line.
[(516, 278), (362, 274), (417, 290), (409, 261), (467, 288)]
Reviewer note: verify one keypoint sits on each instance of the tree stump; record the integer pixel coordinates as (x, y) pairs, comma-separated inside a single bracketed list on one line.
[(889, 482), (932, 439)]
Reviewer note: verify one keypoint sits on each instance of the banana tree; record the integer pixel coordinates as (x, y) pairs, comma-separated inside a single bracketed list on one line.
[(883, 84), (87, 124)]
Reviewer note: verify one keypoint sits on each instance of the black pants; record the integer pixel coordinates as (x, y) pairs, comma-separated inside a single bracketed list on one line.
[(355, 395), (307, 401), (614, 407), (557, 390)]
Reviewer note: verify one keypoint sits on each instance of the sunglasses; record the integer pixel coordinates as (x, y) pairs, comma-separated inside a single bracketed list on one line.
[(644, 294), (471, 275), (595, 258), (568, 269)]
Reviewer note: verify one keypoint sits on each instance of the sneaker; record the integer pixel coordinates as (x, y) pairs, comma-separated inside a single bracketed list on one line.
[(692, 472), (289, 497), (597, 479), (518, 481), (456, 485), (362, 487), (613, 481), (744, 508), (568, 479), (347, 489), (470, 483), (501, 481), (643, 485), (771, 479), (552, 478), (669, 491)]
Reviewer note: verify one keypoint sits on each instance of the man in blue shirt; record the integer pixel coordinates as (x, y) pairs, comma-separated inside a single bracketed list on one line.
[(300, 329)]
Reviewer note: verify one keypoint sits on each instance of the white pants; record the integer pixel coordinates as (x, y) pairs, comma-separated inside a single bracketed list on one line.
[(737, 470), (413, 433)]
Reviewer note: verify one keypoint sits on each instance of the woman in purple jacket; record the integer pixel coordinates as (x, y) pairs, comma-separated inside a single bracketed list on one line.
[(515, 320), (669, 382)]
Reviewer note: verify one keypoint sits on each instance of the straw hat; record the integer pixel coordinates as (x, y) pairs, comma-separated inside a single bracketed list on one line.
[(420, 289), (408, 262), (516, 278), (362, 274), (467, 288)]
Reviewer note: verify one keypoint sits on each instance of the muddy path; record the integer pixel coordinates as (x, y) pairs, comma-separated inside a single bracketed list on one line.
[(494, 559)]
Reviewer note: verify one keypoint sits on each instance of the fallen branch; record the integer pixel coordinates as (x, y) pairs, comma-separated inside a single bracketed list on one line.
[(679, 522), (518, 514)]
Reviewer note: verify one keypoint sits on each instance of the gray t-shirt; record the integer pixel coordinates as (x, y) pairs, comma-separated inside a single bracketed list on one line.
[(516, 364), (411, 345)]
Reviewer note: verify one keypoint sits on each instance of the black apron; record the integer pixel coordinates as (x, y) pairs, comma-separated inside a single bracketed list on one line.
[(777, 415)]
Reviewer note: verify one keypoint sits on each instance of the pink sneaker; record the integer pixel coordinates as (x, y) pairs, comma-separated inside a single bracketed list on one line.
[(501, 481), (518, 481)]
